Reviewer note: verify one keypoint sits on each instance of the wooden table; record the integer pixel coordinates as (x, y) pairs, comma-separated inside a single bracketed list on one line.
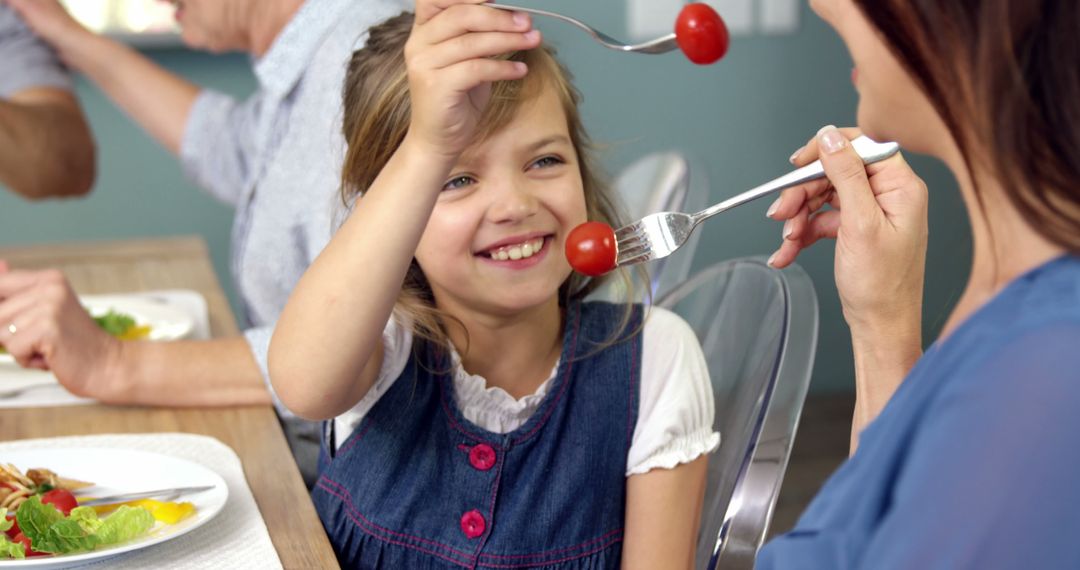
[(252, 431)]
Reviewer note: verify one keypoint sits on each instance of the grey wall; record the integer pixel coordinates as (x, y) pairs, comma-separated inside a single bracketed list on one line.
[(741, 117)]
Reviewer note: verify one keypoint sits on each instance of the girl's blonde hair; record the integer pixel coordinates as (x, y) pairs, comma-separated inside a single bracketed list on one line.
[(377, 114)]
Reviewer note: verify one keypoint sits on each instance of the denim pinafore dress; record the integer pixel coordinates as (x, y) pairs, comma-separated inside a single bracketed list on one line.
[(417, 486)]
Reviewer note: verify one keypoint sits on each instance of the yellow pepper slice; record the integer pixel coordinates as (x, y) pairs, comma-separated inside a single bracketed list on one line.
[(166, 512)]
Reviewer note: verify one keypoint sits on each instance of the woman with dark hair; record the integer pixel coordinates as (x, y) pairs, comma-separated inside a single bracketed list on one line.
[(970, 460)]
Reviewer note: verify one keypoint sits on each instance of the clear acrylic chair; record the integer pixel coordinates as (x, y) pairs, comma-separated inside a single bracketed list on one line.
[(758, 328), (659, 182)]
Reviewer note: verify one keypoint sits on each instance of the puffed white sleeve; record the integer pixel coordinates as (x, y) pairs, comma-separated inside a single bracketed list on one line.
[(676, 411), (397, 346)]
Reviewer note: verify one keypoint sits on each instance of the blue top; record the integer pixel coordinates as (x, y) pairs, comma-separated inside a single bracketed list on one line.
[(975, 462), (417, 485)]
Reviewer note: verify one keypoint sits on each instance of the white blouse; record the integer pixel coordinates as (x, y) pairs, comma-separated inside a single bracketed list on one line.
[(675, 414)]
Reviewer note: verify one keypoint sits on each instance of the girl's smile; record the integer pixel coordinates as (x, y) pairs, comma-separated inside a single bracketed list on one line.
[(520, 252)]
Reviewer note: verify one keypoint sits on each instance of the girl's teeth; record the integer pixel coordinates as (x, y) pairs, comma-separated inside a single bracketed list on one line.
[(527, 249)]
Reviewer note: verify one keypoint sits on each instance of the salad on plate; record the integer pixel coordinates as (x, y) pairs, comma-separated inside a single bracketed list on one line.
[(40, 516)]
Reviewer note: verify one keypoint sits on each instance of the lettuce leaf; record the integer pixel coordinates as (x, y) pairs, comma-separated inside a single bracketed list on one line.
[(10, 549), (49, 531), (115, 323), (87, 518), (4, 522), (124, 524), (82, 530)]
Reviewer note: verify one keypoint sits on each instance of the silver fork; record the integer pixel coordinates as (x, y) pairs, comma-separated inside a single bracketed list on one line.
[(662, 44), (659, 235)]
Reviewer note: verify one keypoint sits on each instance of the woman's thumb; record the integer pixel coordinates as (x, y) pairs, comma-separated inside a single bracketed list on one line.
[(847, 172)]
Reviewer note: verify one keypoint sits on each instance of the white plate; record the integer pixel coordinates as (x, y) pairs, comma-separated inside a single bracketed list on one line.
[(165, 321), (123, 471)]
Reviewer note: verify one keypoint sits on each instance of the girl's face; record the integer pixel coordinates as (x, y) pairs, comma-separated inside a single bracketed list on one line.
[(891, 105), (495, 240)]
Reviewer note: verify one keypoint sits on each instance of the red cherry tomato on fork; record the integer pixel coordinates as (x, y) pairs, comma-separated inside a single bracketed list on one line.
[(701, 34), (63, 500), (591, 248)]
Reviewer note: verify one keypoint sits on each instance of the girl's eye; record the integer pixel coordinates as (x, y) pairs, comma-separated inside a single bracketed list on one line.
[(458, 182), (547, 162)]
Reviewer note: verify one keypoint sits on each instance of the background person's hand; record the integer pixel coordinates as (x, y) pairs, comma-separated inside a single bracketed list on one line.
[(449, 56), (54, 332), (50, 20), (878, 218)]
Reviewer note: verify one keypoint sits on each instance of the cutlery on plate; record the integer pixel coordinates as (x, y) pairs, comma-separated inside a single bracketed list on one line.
[(166, 494)]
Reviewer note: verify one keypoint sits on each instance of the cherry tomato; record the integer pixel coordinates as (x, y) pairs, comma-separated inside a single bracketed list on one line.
[(701, 34), (63, 500), (11, 532), (591, 248), (27, 550)]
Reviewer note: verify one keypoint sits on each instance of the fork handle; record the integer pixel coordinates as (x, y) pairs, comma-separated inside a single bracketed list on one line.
[(868, 149)]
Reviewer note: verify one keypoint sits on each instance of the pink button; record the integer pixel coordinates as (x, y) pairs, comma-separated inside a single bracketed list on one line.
[(473, 524), (482, 457)]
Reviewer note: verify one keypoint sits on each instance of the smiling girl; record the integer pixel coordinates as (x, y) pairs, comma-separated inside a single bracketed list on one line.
[(483, 414)]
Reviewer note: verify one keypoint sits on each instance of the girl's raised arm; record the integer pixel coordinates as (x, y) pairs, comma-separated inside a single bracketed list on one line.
[(327, 348)]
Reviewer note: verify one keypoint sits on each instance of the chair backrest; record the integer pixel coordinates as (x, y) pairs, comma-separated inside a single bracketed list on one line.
[(658, 182), (758, 329)]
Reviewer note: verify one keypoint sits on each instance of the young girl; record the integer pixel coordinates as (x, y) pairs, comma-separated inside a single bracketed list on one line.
[(483, 415)]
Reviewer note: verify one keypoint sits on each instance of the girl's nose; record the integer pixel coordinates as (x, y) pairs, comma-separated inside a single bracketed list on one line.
[(511, 203)]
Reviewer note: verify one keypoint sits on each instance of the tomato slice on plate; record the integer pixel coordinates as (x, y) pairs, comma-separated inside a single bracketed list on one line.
[(591, 248), (63, 500), (701, 34)]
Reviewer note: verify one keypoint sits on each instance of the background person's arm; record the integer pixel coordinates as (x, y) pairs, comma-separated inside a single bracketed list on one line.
[(155, 98), (54, 332), (45, 144)]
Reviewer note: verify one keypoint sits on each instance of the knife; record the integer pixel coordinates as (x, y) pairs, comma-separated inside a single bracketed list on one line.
[(171, 493)]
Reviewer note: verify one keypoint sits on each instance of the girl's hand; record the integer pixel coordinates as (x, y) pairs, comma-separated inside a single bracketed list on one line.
[(53, 332), (450, 67), (879, 222), (51, 21)]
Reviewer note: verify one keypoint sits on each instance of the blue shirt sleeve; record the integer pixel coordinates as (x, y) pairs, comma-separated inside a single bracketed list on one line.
[(25, 61), (993, 478)]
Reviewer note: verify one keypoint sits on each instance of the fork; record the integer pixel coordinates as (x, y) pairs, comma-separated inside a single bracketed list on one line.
[(658, 235), (662, 44)]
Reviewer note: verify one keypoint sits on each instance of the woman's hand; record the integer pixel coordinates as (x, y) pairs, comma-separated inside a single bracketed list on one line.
[(45, 327), (879, 222), (50, 20), (449, 59)]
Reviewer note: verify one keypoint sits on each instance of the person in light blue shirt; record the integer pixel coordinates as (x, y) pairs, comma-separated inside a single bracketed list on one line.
[(46, 149), (965, 456), (274, 156)]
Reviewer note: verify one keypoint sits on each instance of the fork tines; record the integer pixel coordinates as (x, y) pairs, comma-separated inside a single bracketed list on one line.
[(632, 245)]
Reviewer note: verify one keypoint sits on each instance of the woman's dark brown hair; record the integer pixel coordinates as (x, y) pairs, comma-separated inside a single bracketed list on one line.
[(1005, 77)]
